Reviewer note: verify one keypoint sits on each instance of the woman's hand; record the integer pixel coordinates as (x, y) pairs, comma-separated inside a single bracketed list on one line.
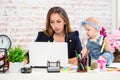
[(25, 61), (73, 61)]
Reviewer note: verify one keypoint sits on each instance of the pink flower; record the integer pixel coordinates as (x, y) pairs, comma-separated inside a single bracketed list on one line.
[(103, 32), (114, 40)]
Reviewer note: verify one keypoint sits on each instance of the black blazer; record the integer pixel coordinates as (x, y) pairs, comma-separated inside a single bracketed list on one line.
[(73, 42)]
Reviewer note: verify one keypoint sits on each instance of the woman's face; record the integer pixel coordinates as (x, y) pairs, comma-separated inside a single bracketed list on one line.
[(90, 31), (57, 23)]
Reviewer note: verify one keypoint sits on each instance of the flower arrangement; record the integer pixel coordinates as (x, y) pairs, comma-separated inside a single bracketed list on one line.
[(114, 39)]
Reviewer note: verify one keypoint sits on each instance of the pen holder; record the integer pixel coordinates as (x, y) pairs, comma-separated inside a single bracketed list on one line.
[(82, 64)]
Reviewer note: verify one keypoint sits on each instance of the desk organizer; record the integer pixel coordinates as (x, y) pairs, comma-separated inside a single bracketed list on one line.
[(4, 64), (53, 66)]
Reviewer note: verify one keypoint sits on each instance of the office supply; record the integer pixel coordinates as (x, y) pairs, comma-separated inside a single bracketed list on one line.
[(26, 70), (4, 64), (81, 68), (101, 64), (41, 52), (102, 48), (69, 69), (82, 62), (53, 66)]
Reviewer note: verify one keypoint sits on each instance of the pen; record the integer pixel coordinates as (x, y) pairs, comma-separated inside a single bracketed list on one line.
[(80, 65), (103, 45)]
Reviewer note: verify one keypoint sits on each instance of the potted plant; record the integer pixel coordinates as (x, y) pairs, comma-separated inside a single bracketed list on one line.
[(16, 56)]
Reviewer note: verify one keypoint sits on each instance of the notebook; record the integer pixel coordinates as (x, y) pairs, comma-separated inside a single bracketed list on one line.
[(41, 52)]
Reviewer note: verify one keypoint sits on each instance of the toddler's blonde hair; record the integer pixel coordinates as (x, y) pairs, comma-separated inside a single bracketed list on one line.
[(93, 20)]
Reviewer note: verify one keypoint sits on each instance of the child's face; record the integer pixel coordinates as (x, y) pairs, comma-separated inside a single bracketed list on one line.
[(90, 31)]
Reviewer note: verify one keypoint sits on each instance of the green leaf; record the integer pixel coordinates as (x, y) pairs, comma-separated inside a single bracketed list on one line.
[(16, 54)]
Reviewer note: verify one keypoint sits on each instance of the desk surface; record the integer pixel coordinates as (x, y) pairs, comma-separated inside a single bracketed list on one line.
[(41, 74)]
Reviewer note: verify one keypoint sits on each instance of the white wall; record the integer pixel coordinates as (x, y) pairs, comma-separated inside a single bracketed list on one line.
[(22, 19), (118, 13)]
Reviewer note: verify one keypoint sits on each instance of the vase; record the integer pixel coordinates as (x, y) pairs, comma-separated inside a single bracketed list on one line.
[(117, 57), (15, 67)]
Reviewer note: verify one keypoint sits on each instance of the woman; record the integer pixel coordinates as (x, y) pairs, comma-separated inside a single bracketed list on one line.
[(58, 30)]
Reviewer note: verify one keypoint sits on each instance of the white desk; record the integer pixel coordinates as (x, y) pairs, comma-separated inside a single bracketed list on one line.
[(41, 74)]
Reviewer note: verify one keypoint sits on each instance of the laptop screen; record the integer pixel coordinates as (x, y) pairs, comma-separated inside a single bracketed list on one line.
[(41, 52)]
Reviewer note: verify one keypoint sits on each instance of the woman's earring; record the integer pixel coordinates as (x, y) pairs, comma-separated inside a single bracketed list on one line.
[(70, 40)]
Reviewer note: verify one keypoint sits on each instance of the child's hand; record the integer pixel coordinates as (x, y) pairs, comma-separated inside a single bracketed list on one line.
[(102, 58), (84, 51)]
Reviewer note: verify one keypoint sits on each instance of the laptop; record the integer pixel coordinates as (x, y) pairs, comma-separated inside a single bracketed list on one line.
[(42, 52)]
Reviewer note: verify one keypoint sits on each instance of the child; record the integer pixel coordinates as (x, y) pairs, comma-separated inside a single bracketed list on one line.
[(94, 43)]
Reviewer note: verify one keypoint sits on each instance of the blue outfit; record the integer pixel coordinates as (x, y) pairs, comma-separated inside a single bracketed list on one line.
[(72, 40), (94, 50)]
